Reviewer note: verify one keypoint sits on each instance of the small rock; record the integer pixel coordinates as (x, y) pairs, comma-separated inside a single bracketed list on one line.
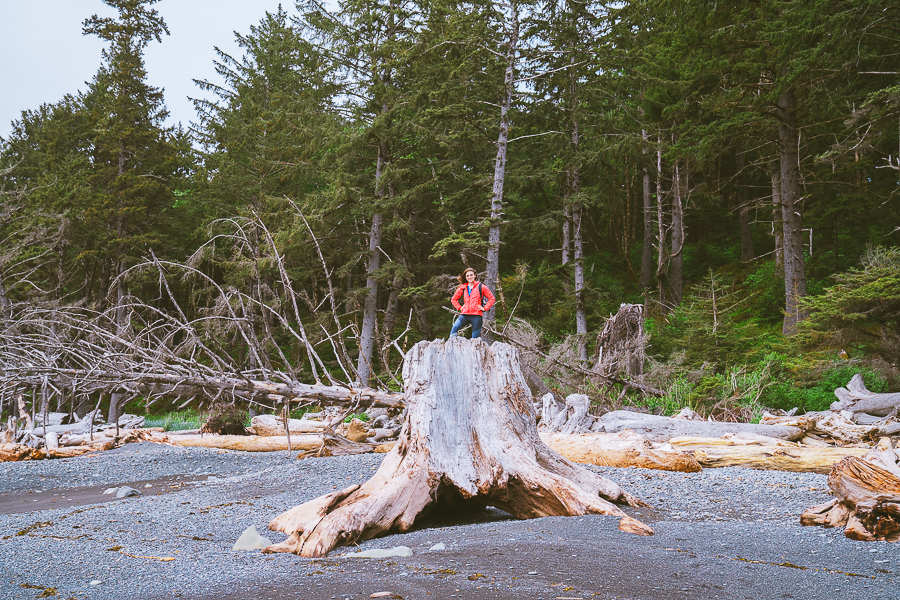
[(148, 485), (126, 492), (381, 594), (251, 540), (96, 582), (381, 553), (532, 572), (437, 547)]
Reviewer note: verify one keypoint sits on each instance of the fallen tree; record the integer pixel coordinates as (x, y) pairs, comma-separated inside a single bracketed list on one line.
[(623, 449), (661, 429), (469, 437), (867, 496), (767, 453), (865, 407)]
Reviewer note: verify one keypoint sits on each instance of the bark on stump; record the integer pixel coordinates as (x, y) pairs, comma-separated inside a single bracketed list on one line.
[(469, 436)]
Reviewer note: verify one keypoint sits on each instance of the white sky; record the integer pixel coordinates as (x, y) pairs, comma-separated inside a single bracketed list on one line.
[(44, 55)]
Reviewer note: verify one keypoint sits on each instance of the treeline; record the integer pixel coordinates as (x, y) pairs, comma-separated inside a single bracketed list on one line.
[(577, 154)]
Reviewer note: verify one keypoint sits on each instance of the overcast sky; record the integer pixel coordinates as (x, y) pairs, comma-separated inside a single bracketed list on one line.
[(44, 55)]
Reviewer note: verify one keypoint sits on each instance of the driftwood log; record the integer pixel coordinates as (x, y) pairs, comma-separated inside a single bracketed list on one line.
[(832, 428), (469, 437), (273, 425), (858, 402), (867, 496), (758, 452), (661, 429), (188, 386), (623, 449)]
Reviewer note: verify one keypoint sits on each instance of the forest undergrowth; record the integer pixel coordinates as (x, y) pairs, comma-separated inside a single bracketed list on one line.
[(717, 356)]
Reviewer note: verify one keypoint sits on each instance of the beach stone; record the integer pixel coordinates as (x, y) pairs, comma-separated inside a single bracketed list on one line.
[(127, 492), (251, 540)]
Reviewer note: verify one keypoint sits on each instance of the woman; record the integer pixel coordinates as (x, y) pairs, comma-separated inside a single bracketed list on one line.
[(473, 295)]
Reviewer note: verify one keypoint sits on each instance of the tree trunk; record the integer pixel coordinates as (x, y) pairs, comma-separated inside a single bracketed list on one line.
[(676, 261), (747, 253), (493, 255), (662, 259), (647, 250), (580, 312), (791, 214), (370, 314), (469, 437), (777, 226)]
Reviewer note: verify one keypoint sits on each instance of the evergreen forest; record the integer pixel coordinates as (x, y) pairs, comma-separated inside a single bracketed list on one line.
[(734, 167)]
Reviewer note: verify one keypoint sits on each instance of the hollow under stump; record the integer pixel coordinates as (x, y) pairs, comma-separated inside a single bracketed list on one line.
[(469, 437)]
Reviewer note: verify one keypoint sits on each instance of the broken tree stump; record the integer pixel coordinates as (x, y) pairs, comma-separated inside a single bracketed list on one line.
[(867, 496), (469, 437), (621, 346)]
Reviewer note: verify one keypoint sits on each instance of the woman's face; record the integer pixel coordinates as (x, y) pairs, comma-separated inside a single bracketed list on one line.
[(470, 276)]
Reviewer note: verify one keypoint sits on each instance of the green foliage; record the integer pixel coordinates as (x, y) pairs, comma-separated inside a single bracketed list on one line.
[(175, 421), (360, 415), (862, 309), (798, 384)]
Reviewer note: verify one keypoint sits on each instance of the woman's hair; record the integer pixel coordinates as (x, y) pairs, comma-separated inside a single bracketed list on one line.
[(462, 278)]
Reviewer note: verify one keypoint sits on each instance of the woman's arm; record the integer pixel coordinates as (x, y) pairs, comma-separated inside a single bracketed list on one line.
[(490, 297), (455, 300)]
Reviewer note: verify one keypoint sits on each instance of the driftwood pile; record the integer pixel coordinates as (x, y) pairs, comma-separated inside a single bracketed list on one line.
[(63, 435), (867, 496)]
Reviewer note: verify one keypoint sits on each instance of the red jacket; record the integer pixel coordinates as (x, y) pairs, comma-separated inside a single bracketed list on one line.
[(472, 299)]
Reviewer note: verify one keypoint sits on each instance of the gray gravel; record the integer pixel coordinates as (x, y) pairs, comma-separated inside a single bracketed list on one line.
[(722, 533)]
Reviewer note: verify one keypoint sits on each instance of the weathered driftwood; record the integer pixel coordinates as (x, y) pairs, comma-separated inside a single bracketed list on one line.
[(18, 452), (661, 429), (766, 453), (269, 425), (248, 443), (184, 386), (568, 418), (332, 444), (623, 449), (469, 436), (10, 452), (855, 398), (867, 496), (832, 428)]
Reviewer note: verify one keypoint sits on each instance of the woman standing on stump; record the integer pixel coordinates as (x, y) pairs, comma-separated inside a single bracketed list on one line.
[(473, 294)]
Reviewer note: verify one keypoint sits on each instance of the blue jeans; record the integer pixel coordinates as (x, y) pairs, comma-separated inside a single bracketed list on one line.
[(461, 321)]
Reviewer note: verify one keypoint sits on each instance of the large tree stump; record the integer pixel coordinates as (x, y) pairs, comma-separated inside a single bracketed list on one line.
[(469, 436)]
